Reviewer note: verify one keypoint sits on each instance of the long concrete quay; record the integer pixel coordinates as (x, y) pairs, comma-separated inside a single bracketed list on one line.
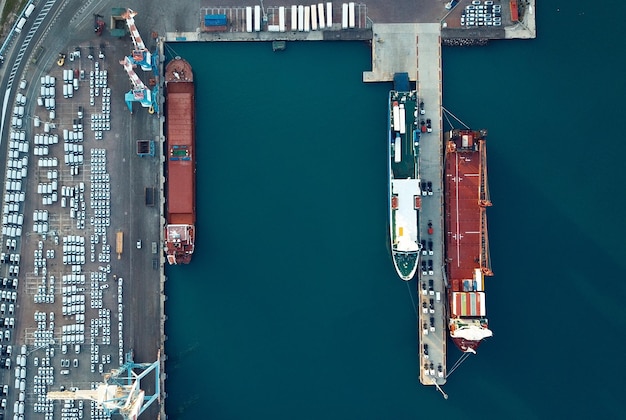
[(416, 49)]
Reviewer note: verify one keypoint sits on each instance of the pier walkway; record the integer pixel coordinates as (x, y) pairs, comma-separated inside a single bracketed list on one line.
[(429, 87), (416, 49)]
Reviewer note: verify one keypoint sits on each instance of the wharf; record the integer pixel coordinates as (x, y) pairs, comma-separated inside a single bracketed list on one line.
[(429, 87), (416, 49)]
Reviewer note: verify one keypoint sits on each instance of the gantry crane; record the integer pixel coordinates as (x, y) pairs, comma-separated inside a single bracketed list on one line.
[(141, 55), (120, 392), (139, 93)]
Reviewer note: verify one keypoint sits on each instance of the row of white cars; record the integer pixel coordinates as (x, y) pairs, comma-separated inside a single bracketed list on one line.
[(98, 86), (12, 224), (100, 202), (482, 13)]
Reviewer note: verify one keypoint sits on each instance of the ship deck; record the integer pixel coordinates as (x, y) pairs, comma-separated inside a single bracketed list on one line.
[(405, 215), (406, 168), (463, 214), (180, 154)]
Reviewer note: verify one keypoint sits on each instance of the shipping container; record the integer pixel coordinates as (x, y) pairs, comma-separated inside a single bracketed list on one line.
[(314, 18), (329, 15), (294, 18), (351, 19), (320, 15), (257, 18), (300, 18), (281, 18), (248, 19), (307, 18), (344, 16), (215, 20)]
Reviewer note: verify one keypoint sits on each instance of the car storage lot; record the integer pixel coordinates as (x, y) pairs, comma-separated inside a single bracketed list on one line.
[(76, 194)]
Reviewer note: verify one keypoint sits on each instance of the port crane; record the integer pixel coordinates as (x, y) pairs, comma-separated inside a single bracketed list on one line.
[(120, 392), (141, 56), (139, 93)]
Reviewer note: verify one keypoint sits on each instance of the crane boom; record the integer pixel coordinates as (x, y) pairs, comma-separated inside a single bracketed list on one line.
[(141, 55), (121, 391), (135, 80), (129, 15)]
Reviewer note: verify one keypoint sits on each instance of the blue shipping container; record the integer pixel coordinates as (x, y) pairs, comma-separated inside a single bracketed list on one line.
[(215, 20)]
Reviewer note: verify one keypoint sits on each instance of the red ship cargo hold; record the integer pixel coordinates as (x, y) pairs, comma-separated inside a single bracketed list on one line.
[(467, 243), (180, 162)]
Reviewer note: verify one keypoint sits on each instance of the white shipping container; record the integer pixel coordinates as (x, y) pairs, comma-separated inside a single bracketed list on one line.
[(313, 17), (320, 15), (294, 18), (300, 18), (307, 18), (281, 18), (344, 16), (257, 18), (351, 18), (248, 19)]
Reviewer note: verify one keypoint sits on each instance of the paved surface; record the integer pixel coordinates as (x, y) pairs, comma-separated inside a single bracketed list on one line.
[(68, 27), (431, 167), (394, 49)]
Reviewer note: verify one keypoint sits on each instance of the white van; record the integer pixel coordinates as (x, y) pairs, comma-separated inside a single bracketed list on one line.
[(28, 11), (20, 25)]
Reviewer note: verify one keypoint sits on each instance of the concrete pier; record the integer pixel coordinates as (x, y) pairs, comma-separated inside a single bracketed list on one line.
[(416, 49), (429, 88), (394, 49)]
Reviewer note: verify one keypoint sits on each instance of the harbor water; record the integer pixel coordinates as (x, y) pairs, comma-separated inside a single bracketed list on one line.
[(291, 308)]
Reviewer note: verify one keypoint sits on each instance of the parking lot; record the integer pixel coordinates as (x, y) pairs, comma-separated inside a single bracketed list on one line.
[(63, 319)]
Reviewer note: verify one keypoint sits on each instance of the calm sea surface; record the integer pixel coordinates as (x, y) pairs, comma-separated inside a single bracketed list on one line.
[(291, 308)]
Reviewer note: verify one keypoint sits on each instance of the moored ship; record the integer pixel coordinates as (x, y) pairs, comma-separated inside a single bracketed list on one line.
[(404, 184), (467, 243), (180, 162)]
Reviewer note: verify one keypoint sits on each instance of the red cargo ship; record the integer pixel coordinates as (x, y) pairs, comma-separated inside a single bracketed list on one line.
[(467, 243), (180, 165)]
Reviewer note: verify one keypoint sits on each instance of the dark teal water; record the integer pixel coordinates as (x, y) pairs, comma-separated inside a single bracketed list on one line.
[(291, 308)]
